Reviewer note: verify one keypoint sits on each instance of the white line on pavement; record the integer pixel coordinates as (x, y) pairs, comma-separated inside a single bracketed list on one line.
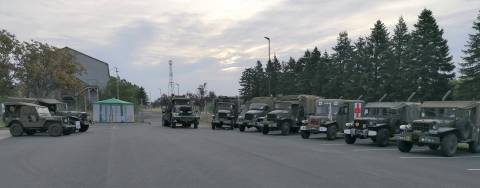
[(378, 149), (473, 169), (475, 156)]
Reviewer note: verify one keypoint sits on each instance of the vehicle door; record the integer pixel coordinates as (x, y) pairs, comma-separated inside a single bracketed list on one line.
[(29, 117), (344, 115)]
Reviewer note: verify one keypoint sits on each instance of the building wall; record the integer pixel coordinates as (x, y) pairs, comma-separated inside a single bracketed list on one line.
[(96, 73)]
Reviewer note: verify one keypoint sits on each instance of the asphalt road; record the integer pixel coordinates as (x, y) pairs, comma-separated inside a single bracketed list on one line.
[(153, 156)]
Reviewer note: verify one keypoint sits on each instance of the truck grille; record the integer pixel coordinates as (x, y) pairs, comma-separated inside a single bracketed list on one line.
[(222, 115), (424, 127), (271, 117), (249, 116), (360, 124)]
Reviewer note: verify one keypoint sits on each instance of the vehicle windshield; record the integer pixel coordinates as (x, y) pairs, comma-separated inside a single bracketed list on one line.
[(62, 107), (283, 106), (43, 111), (181, 102), (375, 112), (224, 106), (257, 106), (448, 113), (326, 109)]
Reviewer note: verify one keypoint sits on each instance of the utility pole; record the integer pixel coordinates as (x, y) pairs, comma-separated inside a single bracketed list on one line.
[(269, 60), (171, 83), (118, 83)]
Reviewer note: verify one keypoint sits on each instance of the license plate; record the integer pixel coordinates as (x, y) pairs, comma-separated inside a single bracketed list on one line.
[(346, 131), (77, 124), (372, 133), (322, 129)]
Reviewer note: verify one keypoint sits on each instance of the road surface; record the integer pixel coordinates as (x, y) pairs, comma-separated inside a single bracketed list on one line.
[(144, 155)]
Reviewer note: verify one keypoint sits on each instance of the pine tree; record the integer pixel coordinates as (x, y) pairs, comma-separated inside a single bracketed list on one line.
[(469, 87), (398, 67), (246, 83), (361, 69), (430, 60), (272, 72), (260, 83), (378, 44), (288, 78), (342, 57)]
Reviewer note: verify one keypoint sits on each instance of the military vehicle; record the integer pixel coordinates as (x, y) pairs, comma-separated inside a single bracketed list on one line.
[(226, 111), (443, 124), (289, 112), (179, 110), (381, 121), (58, 108), (257, 110), (330, 117), (31, 118)]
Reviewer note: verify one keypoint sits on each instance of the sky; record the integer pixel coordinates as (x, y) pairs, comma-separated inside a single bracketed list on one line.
[(212, 41)]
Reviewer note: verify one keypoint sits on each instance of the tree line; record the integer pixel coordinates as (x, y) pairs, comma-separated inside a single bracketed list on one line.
[(396, 64)]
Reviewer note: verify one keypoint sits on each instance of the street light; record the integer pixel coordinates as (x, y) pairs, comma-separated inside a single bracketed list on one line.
[(269, 60)]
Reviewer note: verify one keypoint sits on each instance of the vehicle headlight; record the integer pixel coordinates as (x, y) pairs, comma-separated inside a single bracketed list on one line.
[(434, 126), (348, 124), (65, 120), (405, 127), (304, 121)]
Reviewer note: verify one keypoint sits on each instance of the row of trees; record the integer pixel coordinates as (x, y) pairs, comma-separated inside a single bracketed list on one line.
[(127, 91), (34, 69), (397, 64)]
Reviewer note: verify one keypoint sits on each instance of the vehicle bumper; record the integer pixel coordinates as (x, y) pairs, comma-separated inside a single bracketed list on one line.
[(360, 133), (314, 130), (419, 138), (185, 119), (271, 125), (223, 121)]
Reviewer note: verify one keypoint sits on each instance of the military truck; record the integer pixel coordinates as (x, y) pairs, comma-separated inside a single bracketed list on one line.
[(257, 110), (330, 117), (226, 111), (179, 110), (29, 118), (78, 118), (381, 121), (289, 112), (443, 124)]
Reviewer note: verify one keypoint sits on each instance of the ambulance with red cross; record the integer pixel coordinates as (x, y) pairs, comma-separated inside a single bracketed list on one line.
[(380, 121), (330, 117)]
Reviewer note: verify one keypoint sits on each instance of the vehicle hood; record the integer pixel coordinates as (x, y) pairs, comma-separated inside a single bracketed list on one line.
[(316, 120), (434, 121), (278, 112), (254, 112), (372, 119), (223, 111)]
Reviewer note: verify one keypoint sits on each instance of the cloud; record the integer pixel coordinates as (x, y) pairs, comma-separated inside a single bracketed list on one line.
[(213, 40)]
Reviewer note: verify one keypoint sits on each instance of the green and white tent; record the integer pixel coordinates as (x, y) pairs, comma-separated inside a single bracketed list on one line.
[(113, 111)]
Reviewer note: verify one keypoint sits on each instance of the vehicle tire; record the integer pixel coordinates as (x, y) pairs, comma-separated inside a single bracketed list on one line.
[(30, 132), (195, 125), (232, 125), (382, 137), (285, 128), (332, 132), (474, 147), (265, 130), (16, 129), (55, 130), (404, 146), (83, 128), (433, 147), (241, 128), (349, 139), (305, 134), (173, 125), (449, 145)]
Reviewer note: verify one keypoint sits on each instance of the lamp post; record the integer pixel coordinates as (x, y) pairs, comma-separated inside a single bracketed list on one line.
[(269, 60)]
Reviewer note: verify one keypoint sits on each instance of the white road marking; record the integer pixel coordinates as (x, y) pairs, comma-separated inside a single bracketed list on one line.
[(473, 169), (475, 156), (378, 149)]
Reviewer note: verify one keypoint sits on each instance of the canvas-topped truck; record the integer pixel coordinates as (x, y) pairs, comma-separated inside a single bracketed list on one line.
[(257, 110), (381, 121), (226, 111), (289, 113), (442, 125), (28, 118), (179, 110), (330, 117)]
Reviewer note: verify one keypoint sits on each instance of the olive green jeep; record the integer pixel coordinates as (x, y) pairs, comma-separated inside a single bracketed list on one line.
[(30, 118), (442, 125)]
